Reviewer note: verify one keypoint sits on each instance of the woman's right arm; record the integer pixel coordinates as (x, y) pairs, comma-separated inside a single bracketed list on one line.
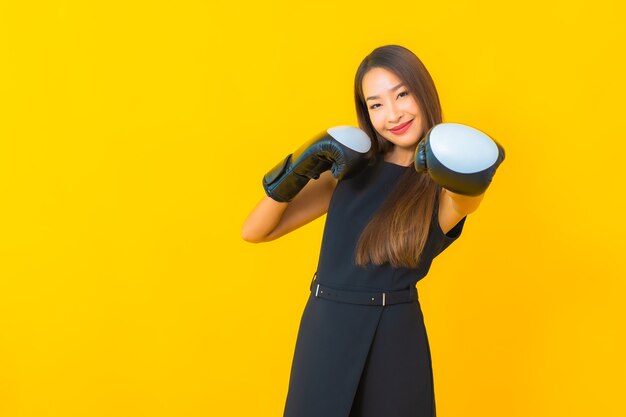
[(271, 219)]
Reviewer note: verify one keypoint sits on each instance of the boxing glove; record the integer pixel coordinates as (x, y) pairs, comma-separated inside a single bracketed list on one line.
[(460, 158), (342, 149)]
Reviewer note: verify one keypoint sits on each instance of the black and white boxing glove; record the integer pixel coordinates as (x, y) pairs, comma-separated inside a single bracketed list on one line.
[(342, 149), (460, 158)]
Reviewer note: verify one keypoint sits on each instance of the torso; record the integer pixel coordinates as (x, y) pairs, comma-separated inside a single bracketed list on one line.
[(353, 203), (448, 216)]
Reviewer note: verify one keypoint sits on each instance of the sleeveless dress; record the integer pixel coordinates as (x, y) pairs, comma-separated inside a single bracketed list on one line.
[(355, 360)]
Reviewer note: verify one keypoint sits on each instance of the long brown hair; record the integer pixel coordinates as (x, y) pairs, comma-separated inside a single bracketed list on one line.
[(397, 233)]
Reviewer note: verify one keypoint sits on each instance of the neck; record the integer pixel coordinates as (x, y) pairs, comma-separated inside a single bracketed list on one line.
[(400, 156)]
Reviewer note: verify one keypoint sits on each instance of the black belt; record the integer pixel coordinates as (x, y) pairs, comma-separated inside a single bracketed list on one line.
[(371, 298)]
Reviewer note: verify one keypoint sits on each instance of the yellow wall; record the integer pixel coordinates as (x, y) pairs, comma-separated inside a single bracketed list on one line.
[(133, 140)]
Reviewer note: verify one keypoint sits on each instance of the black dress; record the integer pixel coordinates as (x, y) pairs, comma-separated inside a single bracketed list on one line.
[(364, 360)]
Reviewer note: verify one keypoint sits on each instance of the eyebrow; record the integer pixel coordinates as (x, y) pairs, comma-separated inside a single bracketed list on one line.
[(391, 89)]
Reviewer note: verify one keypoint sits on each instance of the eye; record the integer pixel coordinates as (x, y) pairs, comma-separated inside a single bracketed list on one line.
[(406, 93)]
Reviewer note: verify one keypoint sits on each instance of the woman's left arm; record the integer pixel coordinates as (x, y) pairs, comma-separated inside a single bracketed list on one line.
[(462, 204)]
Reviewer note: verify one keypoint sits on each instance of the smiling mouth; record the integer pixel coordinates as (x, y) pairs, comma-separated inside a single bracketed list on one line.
[(402, 126)]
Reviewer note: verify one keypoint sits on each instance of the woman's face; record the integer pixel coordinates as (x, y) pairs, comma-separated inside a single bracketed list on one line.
[(390, 104)]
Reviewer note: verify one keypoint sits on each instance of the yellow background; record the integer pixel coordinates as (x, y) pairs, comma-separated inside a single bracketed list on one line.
[(134, 136)]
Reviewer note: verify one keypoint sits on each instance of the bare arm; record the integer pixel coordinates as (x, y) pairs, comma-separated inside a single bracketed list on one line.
[(271, 219), (453, 207), (464, 204)]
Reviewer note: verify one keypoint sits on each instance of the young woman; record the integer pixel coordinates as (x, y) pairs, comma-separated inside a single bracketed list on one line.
[(397, 193)]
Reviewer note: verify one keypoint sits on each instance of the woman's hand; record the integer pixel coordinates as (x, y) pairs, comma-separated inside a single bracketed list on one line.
[(460, 158)]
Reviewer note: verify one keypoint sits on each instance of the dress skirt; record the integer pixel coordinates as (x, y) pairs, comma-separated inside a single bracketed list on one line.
[(355, 360)]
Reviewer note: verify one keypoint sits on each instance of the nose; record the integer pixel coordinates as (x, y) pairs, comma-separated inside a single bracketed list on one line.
[(394, 113)]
